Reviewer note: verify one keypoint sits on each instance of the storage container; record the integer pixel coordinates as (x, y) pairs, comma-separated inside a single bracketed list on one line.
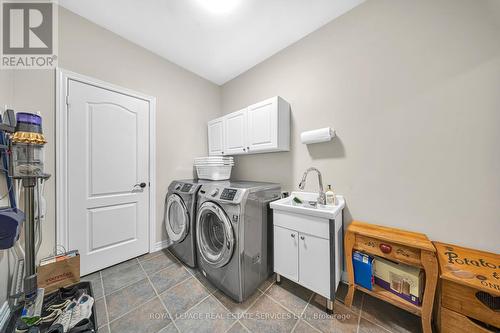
[(217, 172)]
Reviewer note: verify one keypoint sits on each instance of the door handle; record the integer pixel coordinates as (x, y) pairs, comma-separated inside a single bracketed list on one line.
[(141, 185)]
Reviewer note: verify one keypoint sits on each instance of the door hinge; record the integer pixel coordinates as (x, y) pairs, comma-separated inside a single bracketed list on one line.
[(67, 100)]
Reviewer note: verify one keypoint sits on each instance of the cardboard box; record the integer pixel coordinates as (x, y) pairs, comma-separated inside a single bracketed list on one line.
[(405, 281)]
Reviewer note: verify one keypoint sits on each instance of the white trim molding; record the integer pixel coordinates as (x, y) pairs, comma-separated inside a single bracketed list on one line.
[(62, 79), (158, 246)]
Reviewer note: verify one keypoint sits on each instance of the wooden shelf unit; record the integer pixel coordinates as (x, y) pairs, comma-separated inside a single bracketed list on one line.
[(389, 297), (406, 247)]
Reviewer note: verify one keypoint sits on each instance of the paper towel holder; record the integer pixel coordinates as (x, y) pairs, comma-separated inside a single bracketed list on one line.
[(318, 135)]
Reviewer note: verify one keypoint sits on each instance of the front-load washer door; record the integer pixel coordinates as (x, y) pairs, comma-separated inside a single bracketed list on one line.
[(214, 234), (176, 218)]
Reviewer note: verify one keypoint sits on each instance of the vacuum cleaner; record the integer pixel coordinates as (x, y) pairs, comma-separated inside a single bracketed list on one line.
[(27, 166)]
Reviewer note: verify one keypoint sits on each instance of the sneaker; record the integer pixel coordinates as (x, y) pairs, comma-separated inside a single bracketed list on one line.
[(84, 326), (21, 326), (61, 298), (83, 310), (44, 320), (50, 317), (65, 317)]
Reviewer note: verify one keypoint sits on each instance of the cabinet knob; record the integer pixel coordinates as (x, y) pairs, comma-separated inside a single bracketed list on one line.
[(293, 235), (302, 237), (248, 148), (244, 149)]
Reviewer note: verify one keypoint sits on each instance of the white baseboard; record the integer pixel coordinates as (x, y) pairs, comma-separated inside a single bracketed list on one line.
[(4, 315), (161, 245), (344, 278)]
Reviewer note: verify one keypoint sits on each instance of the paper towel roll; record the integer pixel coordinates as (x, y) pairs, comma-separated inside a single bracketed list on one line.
[(318, 135)]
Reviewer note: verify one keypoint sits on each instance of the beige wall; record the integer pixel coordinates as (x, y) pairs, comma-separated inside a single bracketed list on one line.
[(185, 102), (412, 88)]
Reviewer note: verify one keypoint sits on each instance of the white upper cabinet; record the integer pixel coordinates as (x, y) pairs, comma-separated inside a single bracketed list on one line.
[(216, 137), (235, 133), (260, 128)]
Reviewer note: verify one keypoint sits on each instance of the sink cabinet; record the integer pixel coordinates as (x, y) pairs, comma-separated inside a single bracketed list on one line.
[(286, 255), (314, 262), (308, 250)]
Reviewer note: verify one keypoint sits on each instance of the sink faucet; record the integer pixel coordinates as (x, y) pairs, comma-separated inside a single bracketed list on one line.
[(302, 184)]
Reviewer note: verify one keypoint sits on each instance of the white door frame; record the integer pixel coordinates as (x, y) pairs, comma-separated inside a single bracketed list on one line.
[(62, 214)]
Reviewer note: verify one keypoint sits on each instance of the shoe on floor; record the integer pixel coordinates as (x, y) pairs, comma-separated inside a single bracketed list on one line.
[(21, 326), (61, 298), (84, 326), (83, 310), (65, 317)]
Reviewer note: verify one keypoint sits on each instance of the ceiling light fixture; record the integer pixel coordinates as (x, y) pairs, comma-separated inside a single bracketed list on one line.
[(219, 6)]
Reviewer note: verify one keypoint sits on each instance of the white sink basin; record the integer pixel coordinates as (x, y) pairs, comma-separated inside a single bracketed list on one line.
[(321, 211)]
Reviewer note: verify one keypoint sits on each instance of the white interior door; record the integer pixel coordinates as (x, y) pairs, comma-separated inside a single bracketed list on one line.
[(235, 133), (108, 155)]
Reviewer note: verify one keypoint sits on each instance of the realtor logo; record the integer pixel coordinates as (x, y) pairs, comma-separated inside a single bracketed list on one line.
[(29, 34)]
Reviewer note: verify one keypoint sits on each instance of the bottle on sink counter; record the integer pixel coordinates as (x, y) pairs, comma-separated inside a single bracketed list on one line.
[(330, 196)]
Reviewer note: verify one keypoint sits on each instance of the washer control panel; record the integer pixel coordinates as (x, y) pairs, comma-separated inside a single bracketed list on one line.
[(228, 194), (186, 187)]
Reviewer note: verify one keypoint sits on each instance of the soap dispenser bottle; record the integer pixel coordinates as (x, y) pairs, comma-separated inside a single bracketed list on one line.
[(330, 196)]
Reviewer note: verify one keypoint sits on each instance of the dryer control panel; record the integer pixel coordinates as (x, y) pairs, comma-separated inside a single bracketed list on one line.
[(228, 194)]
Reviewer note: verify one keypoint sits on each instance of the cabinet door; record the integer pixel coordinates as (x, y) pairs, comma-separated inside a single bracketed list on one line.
[(216, 137), (262, 128), (235, 133), (286, 253), (314, 259)]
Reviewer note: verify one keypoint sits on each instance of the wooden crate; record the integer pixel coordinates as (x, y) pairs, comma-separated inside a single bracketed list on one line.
[(463, 299), (454, 322), (470, 286)]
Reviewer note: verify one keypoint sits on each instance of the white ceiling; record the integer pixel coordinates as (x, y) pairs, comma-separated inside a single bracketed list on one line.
[(214, 44)]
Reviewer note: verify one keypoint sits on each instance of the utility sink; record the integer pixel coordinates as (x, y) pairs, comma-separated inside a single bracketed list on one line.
[(309, 205), (307, 243)]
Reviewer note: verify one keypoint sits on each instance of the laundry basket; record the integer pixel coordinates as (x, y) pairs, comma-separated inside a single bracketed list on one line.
[(214, 172), (214, 167)]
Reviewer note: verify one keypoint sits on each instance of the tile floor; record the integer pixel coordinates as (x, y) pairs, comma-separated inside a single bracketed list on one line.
[(157, 294)]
